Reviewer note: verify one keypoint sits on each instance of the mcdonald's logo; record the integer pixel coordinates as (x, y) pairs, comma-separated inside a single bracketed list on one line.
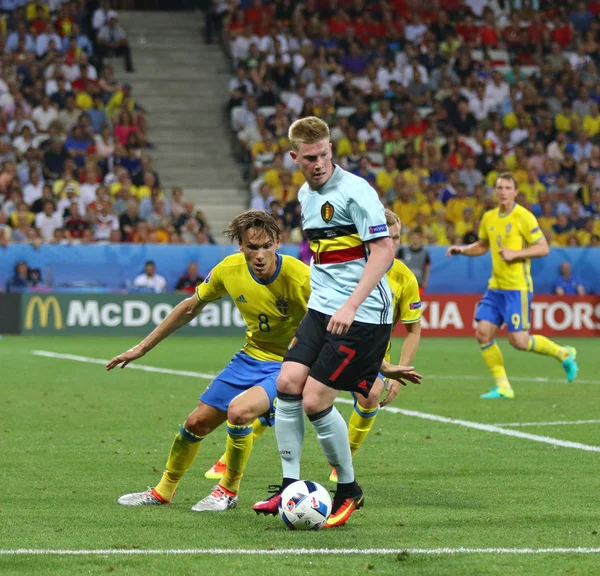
[(43, 305)]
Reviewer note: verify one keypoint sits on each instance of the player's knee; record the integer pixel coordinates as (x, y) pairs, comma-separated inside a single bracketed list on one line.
[(197, 425), (239, 415), (286, 382), (519, 340), (312, 404), (482, 336), (372, 401)]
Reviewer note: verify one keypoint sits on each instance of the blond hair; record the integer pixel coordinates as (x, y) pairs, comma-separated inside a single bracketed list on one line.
[(392, 218), (307, 131)]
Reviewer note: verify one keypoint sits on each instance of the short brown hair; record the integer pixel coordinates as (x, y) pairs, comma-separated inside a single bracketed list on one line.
[(307, 131), (252, 219), (507, 176), (391, 218)]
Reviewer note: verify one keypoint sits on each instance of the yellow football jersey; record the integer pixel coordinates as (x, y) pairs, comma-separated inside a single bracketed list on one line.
[(407, 299), (516, 230), (272, 310)]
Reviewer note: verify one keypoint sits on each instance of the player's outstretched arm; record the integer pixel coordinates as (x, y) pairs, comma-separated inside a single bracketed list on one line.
[(478, 248), (181, 315), (380, 259), (407, 355)]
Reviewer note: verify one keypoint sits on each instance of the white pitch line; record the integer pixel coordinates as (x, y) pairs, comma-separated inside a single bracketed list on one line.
[(486, 428), (295, 551), (560, 423), (133, 366), (413, 413), (541, 379)]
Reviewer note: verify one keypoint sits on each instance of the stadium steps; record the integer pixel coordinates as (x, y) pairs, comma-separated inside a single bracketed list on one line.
[(183, 83)]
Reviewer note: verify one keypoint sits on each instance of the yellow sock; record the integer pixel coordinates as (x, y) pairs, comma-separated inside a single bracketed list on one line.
[(237, 452), (360, 423), (183, 453), (545, 346), (494, 360), (258, 429)]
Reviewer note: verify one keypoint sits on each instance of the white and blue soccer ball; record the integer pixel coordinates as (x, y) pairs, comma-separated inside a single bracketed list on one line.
[(305, 505)]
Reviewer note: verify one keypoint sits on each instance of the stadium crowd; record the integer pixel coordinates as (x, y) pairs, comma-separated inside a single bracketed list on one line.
[(428, 101), (74, 162)]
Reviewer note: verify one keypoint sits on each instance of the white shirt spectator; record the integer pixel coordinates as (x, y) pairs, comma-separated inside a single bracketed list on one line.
[(52, 87), (237, 84), (62, 207), (87, 193), (496, 93), (23, 145), (6, 100), (477, 6), (112, 34), (31, 193), (295, 104), (384, 75), (382, 121), (42, 43), (414, 32), (241, 45), (409, 74), (75, 72), (470, 178), (155, 282), (43, 118), (104, 225), (48, 224), (261, 203), (366, 135), (318, 93), (101, 17), (581, 152), (518, 135), (481, 108), (270, 59)]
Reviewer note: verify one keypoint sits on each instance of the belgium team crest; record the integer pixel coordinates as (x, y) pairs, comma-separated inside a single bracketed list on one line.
[(327, 212)]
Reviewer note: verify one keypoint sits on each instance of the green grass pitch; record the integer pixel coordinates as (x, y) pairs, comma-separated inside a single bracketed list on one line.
[(73, 438)]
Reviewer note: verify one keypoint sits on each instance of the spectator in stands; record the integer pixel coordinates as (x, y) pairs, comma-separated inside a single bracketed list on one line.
[(48, 221), (567, 284), (191, 279), (417, 258), (23, 277), (112, 40), (150, 279), (264, 198)]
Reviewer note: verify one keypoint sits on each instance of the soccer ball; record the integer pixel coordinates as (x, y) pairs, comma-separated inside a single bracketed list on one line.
[(305, 505)]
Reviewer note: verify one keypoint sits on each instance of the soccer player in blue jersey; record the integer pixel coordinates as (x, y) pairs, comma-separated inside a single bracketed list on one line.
[(271, 292), (342, 340), (512, 234)]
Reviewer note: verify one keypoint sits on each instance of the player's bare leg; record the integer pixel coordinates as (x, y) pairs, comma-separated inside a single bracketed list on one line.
[(362, 419), (201, 422), (566, 355), (243, 410), (289, 429), (332, 434)]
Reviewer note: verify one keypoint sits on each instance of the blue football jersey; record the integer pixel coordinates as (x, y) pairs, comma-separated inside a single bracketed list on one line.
[(339, 220)]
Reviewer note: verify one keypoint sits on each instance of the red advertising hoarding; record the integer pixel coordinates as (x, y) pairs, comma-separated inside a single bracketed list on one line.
[(453, 315)]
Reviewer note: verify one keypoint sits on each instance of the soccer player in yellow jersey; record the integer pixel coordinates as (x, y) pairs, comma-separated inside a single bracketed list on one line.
[(512, 234), (271, 292)]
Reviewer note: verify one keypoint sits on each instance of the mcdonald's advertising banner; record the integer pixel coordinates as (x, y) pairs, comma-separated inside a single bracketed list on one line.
[(119, 314), (136, 314)]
